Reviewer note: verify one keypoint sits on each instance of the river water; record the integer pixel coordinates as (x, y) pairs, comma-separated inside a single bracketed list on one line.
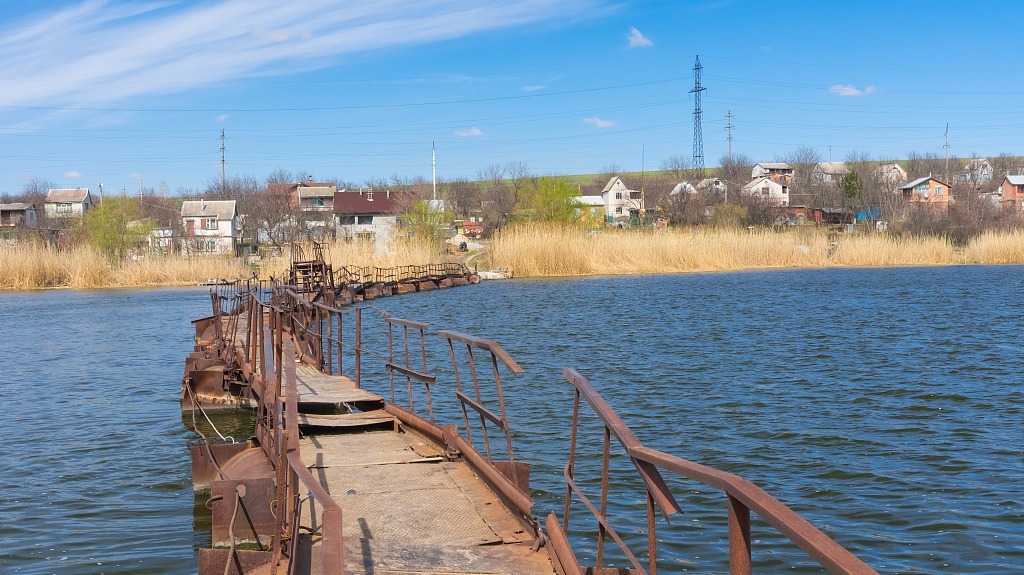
[(884, 405)]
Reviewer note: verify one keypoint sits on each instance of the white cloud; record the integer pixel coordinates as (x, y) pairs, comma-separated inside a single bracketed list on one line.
[(72, 174), (848, 90), (222, 118), (532, 88), (109, 51), (599, 123), (474, 131), (637, 39)]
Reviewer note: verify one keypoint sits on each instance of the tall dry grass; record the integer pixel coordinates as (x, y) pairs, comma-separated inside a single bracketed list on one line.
[(33, 266), (400, 252), (543, 250)]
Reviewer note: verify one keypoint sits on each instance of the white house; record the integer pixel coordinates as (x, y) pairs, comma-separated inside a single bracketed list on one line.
[(768, 189), (713, 186), (67, 203), (683, 187), (891, 175), (370, 215), (780, 172), (978, 171), (829, 172), (210, 226), (619, 201)]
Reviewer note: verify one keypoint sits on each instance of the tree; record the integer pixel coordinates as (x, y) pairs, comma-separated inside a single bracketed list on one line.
[(106, 227), (735, 171), (851, 186), (679, 167), (804, 191), (425, 222), (549, 200)]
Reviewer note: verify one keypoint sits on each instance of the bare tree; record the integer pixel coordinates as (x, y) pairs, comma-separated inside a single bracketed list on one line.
[(735, 171), (679, 167), (804, 191)]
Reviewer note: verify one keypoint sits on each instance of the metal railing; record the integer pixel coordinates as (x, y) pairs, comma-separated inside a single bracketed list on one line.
[(742, 498)]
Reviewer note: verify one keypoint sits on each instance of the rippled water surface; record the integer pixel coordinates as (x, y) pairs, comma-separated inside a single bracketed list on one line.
[(886, 406)]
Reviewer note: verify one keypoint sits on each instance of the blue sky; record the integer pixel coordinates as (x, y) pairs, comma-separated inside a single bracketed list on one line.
[(109, 91)]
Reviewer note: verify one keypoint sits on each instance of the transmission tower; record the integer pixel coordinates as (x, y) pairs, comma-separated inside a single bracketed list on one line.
[(698, 137)]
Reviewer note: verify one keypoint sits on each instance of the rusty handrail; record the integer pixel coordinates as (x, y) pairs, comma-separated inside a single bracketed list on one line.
[(742, 498)]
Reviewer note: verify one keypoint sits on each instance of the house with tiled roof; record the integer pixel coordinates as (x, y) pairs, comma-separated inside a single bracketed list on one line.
[(1012, 190), (67, 202), (211, 226), (829, 172), (928, 191), (780, 172), (370, 215)]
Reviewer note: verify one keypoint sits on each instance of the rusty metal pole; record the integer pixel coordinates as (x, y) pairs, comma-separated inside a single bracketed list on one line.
[(359, 344), (739, 538)]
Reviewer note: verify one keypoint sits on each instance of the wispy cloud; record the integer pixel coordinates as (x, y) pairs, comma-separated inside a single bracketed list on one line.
[(109, 51), (531, 88), (848, 90), (637, 39), (474, 131), (72, 174), (222, 118), (599, 123)]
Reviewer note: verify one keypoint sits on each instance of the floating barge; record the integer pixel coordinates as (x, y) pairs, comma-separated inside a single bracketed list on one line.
[(347, 475)]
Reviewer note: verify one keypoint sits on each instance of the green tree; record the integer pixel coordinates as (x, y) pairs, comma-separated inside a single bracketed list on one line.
[(851, 185), (549, 200), (425, 222), (106, 226)]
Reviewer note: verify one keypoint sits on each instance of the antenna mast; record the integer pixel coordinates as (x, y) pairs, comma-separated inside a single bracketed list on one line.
[(698, 137), (433, 168), (728, 129), (223, 180)]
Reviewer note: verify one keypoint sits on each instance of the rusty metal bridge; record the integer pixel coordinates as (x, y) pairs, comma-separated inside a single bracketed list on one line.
[(337, 479)]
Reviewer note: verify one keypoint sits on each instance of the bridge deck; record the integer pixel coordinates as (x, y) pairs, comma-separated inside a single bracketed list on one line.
[(406, 510)]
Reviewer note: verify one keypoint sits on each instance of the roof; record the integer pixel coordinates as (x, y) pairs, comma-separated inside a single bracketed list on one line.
[(17, 207), (774, 165), (1015, 180), (358, 202), (222, 209), (754, 183), (918, 181), (833, 168), (611, 182), (278, 187), (67, 195), (978, 163), (590, 200), (681, 186), (710, 182)]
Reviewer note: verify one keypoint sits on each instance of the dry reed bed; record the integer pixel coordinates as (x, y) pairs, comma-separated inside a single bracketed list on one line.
[(33, 266), (533, 250)]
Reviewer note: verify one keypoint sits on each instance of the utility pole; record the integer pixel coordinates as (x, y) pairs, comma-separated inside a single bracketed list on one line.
[(698, 137), (101, 193), (223, 180), (947, 152), (433, 167), (728, 131)]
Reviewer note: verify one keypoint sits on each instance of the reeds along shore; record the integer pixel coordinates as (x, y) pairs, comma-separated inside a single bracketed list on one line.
[(539, 250), (533, 251), (33, 266)]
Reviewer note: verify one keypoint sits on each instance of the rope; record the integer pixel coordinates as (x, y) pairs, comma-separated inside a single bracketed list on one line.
[(195, 426), (231, 533)]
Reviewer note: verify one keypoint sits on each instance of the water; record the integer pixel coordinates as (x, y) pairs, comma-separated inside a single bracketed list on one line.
[(883, 405)]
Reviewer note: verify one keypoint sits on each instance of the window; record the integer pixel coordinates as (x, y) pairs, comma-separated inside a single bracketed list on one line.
[(634, 195), (618, 195), (209, 223), (618, 210), (346, 220), (318, 201), (63, 208), (921, 190), (365, 220), (938, 190)]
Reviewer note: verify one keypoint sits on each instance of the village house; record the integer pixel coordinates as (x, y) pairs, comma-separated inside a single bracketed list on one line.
[(927, 192), (829, 172), (370, 215), (978, 171), (1012, 190), (889, 175), (776, 171), (621, 204), (773, 192), (210, 226), (590, 208), (67, 203), (713, 186), (683, 187), (18, 215)]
